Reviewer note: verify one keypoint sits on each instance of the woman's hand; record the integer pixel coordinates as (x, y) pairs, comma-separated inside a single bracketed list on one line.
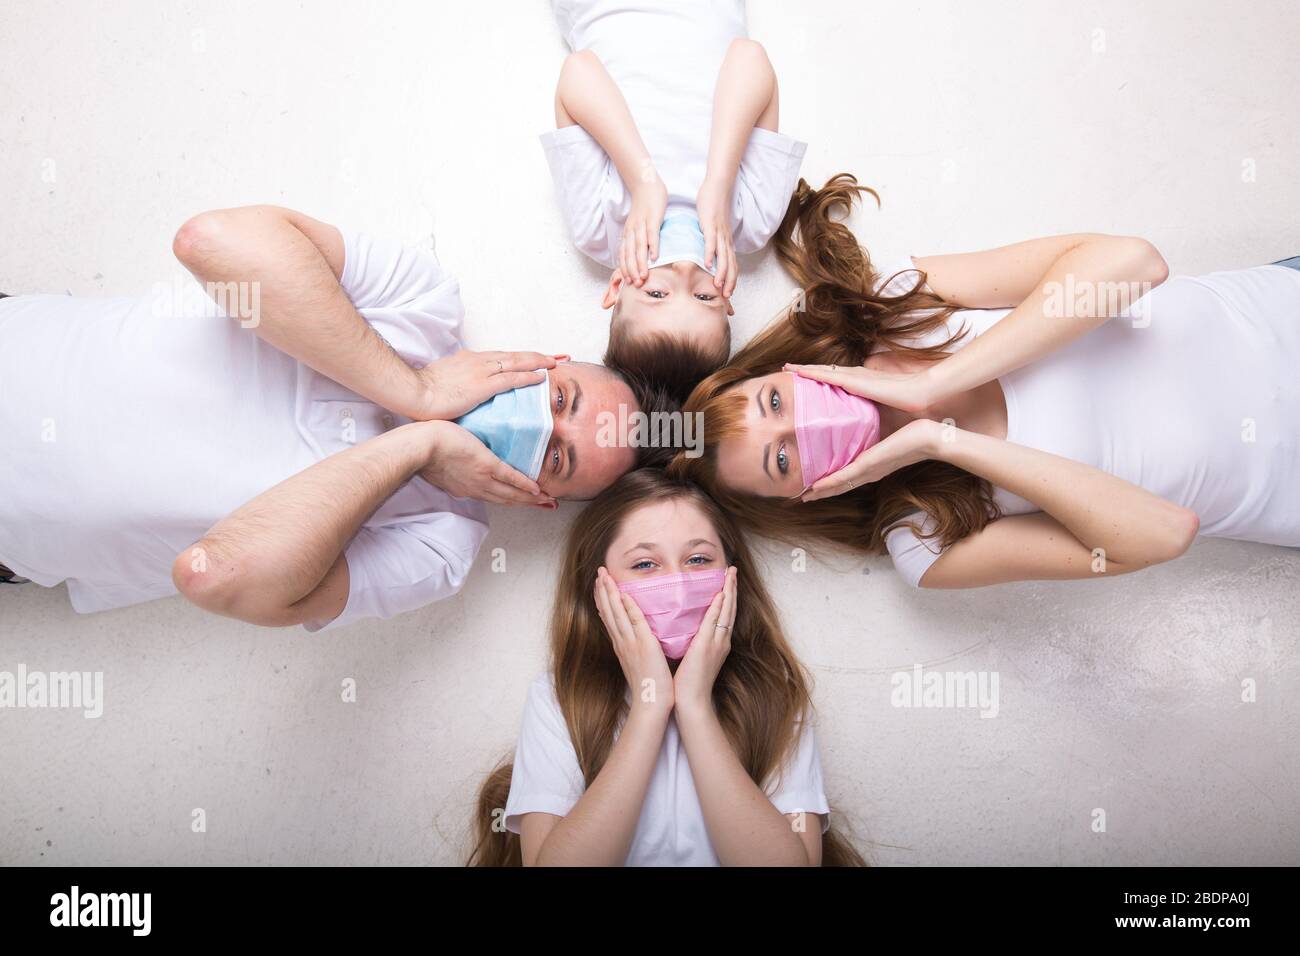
[(916, 441), (640, 245), (915, 392), (454, 384), (644, 666), (693, 683), (712, 206), (462, 466)]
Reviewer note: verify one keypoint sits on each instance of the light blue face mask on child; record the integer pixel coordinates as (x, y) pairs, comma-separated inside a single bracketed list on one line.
[(515, 425), (680, 238)]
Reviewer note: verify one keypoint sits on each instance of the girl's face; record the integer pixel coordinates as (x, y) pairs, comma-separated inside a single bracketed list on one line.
[(664, 537), (764, 460)]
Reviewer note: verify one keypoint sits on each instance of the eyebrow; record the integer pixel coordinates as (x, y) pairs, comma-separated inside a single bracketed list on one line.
[(573, 459), (766, 449), (651, 546), (758, 399), (577, 397)]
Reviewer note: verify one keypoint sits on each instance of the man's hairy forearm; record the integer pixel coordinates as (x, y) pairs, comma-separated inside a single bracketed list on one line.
[(295, 262), (267, 561)]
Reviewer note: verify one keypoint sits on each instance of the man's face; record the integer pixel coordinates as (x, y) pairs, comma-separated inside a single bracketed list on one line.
[(679, 299), (576, 466)]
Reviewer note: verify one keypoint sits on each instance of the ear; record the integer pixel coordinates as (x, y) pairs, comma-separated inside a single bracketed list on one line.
[(730, 311), (612, 290)]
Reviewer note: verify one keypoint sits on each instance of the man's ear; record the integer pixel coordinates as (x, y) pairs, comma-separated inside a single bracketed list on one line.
[(612, 290), (730, 310)]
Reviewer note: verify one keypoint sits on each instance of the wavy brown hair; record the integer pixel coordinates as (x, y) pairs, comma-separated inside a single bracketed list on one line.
[(761, 693), (846, 312)]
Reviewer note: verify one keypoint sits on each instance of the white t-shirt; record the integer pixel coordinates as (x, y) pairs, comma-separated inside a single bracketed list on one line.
[(1193, 394), (671, 829), (130, 426), (665, 56)]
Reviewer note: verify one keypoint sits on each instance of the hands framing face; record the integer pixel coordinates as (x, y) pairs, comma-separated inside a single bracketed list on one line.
[(655, 688)]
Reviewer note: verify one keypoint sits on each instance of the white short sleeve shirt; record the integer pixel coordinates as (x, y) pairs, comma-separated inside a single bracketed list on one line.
[(664, 57), (671, 830), (130, 426)]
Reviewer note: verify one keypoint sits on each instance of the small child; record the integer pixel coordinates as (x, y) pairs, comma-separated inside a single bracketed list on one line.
[(667, 162)]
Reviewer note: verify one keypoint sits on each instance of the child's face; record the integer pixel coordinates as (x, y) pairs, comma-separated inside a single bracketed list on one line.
[(678, 299)]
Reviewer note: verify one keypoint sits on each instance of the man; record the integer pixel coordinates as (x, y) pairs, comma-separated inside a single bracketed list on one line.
[(287, 458)]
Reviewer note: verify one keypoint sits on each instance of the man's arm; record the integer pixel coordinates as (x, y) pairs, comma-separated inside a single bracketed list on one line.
[(303, 311), (296, 263), (278, 560)]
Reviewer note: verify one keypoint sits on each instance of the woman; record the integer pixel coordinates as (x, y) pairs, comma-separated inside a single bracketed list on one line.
[(647, 747), (1042, 413)]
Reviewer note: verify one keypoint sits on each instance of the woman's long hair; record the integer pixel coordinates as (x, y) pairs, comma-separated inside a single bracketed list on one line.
[(761, 692), (845, 313)]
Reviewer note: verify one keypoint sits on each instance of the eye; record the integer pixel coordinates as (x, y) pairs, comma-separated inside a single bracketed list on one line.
[(705, 296), (656, 293), (699, 559), (559, 400), (645, 564), (782, 461), (775, 400), (555, 459)]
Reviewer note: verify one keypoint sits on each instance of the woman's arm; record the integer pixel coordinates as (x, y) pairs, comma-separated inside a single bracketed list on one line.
[(1093, 524), (744, 827), (598, 830), (1061, 288)]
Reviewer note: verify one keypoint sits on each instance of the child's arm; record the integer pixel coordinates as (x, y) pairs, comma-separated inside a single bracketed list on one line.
[(745, 97), (587, 95)]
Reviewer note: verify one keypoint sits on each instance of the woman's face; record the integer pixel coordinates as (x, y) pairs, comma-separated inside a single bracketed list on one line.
[(764, 461), (664, 537)]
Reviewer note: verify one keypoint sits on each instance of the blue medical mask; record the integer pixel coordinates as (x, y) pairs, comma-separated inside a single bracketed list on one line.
[(515, 425), (680, 238)]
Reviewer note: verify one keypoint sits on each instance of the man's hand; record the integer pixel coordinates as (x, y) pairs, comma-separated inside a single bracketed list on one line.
[(451, 386), (462, 466)]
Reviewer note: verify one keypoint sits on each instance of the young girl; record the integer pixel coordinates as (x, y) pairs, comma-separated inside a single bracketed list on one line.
[(1037, 411), (674, 727), (667, 162)]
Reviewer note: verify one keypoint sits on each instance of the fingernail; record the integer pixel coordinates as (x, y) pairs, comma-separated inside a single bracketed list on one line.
[(560, 358)]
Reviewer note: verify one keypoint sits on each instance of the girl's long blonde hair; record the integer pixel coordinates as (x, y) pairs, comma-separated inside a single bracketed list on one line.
[(761, 693), (845, 314)]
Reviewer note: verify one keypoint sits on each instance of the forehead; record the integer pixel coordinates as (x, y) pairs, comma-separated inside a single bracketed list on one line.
[(666, 524), (598, 383)]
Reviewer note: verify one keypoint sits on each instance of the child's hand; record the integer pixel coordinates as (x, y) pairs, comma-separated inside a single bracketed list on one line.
[(641, 231), (715, 222)]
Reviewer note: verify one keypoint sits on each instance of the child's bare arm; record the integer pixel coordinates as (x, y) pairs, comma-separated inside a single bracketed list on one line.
[(587, 95), (744, 97)]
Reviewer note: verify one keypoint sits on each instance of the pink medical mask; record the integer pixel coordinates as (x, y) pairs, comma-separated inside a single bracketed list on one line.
[(833, 427), (674, 605)]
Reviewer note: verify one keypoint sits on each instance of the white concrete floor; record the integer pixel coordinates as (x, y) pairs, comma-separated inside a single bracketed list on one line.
[(980, 123)]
